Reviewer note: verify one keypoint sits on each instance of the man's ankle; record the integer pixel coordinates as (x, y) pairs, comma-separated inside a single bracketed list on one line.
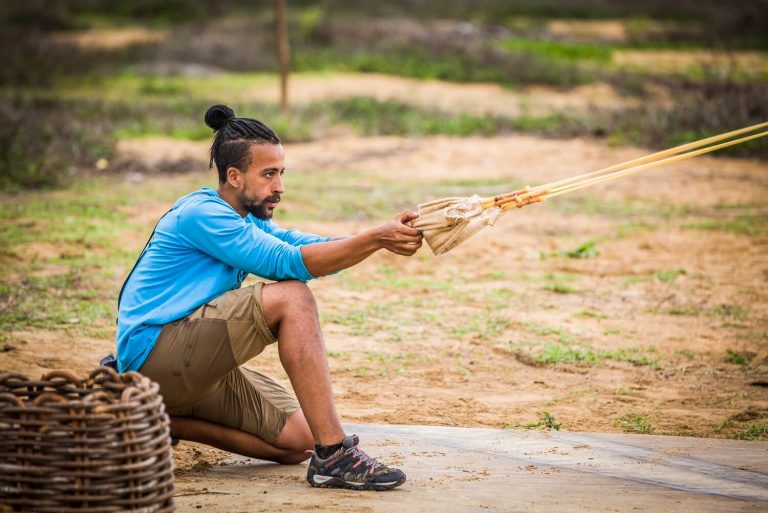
[(324, 451)]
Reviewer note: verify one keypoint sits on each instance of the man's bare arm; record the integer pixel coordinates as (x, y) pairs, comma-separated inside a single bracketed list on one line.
[(396, 236)]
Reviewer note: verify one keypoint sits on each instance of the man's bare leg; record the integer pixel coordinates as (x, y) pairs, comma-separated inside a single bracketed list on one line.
[(289, 448), (291, 313)]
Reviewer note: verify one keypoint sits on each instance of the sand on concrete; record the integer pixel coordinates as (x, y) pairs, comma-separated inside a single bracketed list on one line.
[(474, 469)]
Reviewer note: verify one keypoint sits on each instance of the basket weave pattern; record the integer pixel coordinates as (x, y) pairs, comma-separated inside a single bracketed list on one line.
[(100, 445)]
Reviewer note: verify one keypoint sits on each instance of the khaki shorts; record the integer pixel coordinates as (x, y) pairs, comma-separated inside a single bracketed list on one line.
[(198, 363)]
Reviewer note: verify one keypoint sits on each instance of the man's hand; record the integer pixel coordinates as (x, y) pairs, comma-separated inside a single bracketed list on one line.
[(398, 236)]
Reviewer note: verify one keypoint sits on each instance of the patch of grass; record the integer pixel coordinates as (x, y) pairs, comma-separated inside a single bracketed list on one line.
[(586, 250), (757, 431), (378, 356), (634, 423), (743, 430), (559, 346), (358, 322), (57, 302), (744, 225), (726, 424), (669, 276), (559, 288), (561, 277), (591, 314), (344, 355), (372, 117), (482, 326), (558, 354), (547, 421), (450, 62), (495, 274), (557, 282), (362, 321), (728, 311), (550, 422), (552, 354), (416, 63), (369, 116), (724, 311), (560, 50), (736, 357), (692, 311), (386, 364), (504, 296), (628, 391), (395, 335), (637, 278)]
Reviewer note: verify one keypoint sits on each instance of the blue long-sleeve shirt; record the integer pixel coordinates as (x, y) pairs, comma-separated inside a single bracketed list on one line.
[(201, 249)]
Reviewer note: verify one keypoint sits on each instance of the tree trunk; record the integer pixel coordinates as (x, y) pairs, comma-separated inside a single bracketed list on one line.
[(283, 50)]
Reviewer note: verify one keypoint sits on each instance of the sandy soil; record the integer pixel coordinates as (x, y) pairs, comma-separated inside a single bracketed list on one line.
[(447, 340), (112, 38), (676, 61), (478, 99)]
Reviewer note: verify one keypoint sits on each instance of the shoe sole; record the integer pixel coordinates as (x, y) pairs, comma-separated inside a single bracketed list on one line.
[(335, 482)]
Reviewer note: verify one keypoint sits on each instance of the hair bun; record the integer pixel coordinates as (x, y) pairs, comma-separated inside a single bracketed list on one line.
[(218, 115)]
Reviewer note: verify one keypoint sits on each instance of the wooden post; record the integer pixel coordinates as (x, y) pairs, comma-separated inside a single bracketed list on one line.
[(283, 50)]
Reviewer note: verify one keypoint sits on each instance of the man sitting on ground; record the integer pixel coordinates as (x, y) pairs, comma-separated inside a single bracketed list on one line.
[(185, 322)]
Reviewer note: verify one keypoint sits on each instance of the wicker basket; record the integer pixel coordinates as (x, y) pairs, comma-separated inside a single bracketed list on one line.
[(98, 445)]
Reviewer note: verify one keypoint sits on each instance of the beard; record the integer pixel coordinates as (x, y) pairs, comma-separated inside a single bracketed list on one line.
[(259, 208)]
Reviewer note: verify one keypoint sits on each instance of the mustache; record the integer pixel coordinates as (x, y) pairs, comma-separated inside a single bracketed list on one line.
[(273, 199)]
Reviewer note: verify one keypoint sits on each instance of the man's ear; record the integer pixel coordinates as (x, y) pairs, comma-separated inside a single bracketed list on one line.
[(234, 177)]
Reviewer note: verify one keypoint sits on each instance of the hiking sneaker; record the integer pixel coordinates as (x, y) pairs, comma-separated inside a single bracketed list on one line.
[(349, 467)]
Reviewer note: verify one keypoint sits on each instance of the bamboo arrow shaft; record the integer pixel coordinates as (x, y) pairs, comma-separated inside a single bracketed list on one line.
[(557, 191), (662, 156)]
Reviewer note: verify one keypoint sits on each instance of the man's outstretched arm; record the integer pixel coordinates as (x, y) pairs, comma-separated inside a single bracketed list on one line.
[(396, 236)]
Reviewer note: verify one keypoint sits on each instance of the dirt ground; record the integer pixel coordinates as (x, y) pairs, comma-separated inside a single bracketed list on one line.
[(671, 312), (450, 340), (477, 99)]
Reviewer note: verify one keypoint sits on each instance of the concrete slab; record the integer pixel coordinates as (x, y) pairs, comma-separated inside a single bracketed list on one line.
[(469, 469)]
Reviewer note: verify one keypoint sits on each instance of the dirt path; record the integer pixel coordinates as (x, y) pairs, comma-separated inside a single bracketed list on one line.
[(478, 99)]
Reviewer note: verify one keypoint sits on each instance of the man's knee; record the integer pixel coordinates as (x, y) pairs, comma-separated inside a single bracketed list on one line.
[(287, 297), (294, 458)]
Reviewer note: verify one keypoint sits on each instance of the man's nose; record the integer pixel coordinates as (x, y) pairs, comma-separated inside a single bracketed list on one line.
[(279, 187)]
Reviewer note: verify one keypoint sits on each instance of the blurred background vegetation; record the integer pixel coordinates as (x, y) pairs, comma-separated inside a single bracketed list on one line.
[(78, 75)]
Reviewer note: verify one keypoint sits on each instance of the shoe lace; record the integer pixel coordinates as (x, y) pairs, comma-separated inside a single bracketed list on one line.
[(363, 458)]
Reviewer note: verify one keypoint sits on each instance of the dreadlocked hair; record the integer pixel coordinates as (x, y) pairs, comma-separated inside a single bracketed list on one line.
[(234, 136)]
